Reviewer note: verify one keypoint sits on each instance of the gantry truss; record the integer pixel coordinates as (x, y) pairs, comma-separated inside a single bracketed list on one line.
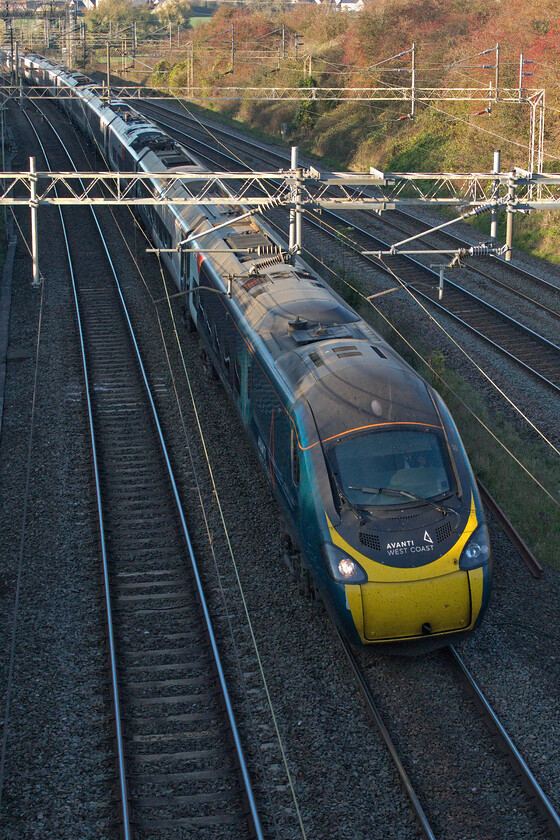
[(297, 189), (319, 94), (534, 98), (518, 190)]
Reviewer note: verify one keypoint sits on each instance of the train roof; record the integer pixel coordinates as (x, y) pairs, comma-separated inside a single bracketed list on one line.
[(289, 301), (356, 386)]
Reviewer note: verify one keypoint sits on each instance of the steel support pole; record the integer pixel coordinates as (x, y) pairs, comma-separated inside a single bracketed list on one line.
[(509, 217), (34, 229), (3, 132), (441, 268), (296, 212), (293, 210), (299, 213), (108, 70), (494, 213), (413, 84), (12, 62)]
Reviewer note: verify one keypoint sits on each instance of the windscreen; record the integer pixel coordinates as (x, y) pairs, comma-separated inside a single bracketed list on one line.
[(412, 461)]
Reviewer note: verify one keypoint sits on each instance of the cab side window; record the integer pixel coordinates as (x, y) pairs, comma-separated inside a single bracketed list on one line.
[(295, 458)]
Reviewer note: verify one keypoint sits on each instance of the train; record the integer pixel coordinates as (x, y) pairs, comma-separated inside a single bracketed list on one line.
[(371, 477)]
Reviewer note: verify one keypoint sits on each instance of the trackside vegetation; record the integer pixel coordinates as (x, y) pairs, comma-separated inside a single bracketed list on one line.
[(455, 48)]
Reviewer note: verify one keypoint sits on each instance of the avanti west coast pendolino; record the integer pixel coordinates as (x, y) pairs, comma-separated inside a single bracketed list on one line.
[(361, 453)]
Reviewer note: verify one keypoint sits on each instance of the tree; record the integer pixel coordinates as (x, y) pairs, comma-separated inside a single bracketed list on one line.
[(177, 12), (118, 14)]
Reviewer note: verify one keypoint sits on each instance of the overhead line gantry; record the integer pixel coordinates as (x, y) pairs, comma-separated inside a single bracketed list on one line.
[(297, 189)]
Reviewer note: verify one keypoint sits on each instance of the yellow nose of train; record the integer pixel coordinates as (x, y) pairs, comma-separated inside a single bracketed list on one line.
[(429, 603)]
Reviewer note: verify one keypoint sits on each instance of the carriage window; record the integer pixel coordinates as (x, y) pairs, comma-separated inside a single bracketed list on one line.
[(185, 264), (236, 376), (295, 458)]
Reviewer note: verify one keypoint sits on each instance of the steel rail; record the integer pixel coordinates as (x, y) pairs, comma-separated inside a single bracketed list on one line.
[(514, 756), (219, 668), (519, 765), (375, 714), (126, 828), (515, 269), (528, 557), (427, 271), (521, 272), (495, 312), (513, 535)]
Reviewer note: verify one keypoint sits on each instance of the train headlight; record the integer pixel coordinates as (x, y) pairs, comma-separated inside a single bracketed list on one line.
[(477, 550), (341, 567)]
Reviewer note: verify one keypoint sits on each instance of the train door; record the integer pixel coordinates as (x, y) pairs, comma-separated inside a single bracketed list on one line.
[(190, 283), (184, 286)]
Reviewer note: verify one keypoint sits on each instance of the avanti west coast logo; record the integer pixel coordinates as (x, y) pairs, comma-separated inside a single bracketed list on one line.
[(400, 547)]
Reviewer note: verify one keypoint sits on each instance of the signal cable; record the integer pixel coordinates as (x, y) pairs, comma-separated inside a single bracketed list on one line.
[(233, 560), (222, 517)]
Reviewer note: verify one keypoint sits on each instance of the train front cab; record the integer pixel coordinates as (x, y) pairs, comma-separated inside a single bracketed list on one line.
[(412, 580), (421, 608)]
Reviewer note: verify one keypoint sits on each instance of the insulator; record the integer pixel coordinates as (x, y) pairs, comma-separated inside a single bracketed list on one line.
[(271, 204), (277, 258), (480, 250), (477, 211)]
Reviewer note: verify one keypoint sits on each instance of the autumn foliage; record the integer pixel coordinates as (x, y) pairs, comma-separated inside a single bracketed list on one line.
[(455, 42)]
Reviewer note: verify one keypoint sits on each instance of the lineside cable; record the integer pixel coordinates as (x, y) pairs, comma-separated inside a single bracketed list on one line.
[(422, 306), (235, 567)]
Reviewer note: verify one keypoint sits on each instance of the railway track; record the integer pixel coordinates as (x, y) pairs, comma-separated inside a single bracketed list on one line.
[(397, 220), (407, 225), (529, 793), (180, 762), (156, 606), (533, 352)]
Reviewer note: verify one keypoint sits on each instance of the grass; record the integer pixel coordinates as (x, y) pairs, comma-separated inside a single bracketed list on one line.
[(535, 515), (537, 234)]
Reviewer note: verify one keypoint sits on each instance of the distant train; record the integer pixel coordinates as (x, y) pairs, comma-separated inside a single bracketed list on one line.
[(361, 453)]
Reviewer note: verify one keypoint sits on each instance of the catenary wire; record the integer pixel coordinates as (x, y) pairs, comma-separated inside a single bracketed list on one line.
[(472, 361)]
